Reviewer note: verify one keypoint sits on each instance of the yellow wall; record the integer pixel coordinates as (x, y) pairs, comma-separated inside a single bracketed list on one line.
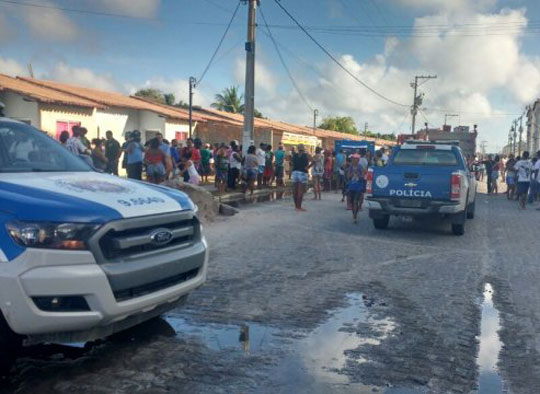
[(50, 114)]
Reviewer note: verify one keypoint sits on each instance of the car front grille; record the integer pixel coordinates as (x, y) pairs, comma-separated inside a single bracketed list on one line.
[(132, 239), (135, 242)]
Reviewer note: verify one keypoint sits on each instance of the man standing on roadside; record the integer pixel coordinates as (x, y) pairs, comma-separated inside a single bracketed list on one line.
[(135, 156), (261, 159), (340, 162), (75, 145), (489, 163), (280, 165), (523, 169), (384, 155), (166, 149), (301, 162), (113, 151)]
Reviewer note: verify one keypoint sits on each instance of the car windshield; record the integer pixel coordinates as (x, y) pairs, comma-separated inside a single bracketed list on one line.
[(24, 148), (429, 157)]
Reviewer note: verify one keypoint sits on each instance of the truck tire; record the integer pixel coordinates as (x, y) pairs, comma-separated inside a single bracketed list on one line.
[(9, 346), (470, 210), (458, 229), (381, 223)]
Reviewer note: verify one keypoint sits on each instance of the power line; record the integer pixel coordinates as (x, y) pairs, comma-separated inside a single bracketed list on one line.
[(218, 5), (284, 64), (219, 44), (432, 30), (107, 14), (335, 60)]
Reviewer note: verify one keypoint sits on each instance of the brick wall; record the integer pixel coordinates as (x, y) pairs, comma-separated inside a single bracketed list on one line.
[(216, 132)]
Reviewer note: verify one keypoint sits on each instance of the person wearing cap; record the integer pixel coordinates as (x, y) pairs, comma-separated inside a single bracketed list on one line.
[(301, 162), (356, 177)]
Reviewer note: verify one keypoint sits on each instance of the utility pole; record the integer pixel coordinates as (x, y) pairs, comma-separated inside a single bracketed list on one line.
[(417, 99), (249, 117), (366, 125), (315, 115), (192, 85), (520, 133), (514, 137)]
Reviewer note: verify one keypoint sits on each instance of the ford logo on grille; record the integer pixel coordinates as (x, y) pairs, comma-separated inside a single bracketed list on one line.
[(161, 236)]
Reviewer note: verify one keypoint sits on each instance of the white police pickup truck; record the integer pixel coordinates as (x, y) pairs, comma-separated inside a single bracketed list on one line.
[(422, 178), (84, 254)]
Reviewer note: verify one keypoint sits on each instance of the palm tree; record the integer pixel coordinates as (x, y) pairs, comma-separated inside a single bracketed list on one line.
[(229, 100)]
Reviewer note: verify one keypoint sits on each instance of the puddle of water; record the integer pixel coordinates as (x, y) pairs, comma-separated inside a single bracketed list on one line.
[(249, 338), (324, 349), (490, 381)]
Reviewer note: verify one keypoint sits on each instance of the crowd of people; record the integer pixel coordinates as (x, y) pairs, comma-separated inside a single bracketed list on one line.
[(261, 166), (519, 173)]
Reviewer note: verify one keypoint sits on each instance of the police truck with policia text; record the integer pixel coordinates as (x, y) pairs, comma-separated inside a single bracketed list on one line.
[(420, 179)]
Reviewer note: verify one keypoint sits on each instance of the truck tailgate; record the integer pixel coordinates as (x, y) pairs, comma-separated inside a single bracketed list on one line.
[(410, 182)]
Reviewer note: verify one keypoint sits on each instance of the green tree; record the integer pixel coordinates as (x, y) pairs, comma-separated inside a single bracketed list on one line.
[(169, 99), (258, 114), (152, 94), (229, 100), (182, 104), (345, 124)]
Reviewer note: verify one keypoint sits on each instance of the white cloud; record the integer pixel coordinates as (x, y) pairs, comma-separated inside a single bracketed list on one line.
[(50, 23), (476, 71), (81, 76), (11, 67), (449, 5), (138, 8), (266, 82)]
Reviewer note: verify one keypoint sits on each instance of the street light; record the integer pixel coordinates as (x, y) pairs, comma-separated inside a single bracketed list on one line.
[(514, 135)]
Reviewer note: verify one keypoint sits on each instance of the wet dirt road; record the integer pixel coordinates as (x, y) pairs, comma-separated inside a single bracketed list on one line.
[(311, 303)]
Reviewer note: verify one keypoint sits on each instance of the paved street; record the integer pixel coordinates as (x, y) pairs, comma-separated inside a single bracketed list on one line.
[(311, 303)]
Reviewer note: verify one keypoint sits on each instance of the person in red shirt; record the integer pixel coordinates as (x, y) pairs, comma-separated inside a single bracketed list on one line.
[(155, 159)]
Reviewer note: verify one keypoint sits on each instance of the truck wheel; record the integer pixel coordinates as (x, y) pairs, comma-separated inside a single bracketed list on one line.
[(458, 229), (470, 210), (381, 223), (9, 345)]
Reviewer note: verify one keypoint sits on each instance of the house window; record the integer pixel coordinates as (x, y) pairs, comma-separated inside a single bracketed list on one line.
[(65, 126)]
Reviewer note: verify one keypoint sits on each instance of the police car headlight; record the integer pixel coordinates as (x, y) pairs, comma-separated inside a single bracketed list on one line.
[(72, 236), (195, 210)]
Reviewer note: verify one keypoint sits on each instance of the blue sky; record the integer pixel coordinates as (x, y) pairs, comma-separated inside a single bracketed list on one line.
[(488, 70)]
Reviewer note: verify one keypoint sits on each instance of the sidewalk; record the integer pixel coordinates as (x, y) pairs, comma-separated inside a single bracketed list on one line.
[(236, 195)]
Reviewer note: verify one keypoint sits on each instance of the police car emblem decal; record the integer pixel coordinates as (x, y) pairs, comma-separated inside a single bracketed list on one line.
[(382, 181), (94, 186)]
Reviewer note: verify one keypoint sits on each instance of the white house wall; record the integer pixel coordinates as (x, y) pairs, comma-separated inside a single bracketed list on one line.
[(18, 108), (150, 122), (118, 120)]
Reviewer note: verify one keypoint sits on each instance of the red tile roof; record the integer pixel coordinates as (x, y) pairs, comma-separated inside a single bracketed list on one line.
[(110, 99), (43, 94)]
